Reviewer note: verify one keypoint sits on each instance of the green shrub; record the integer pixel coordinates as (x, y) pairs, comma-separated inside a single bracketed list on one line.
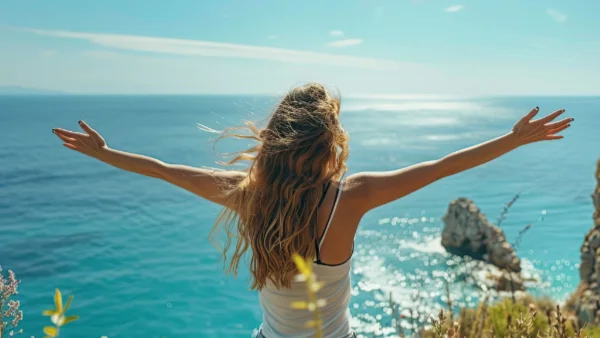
[(525, 318)]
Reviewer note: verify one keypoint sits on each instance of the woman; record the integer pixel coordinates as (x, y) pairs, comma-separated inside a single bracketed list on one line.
[(293, 198)]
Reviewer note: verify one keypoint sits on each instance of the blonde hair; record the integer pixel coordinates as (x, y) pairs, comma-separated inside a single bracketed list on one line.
[(273, 210)]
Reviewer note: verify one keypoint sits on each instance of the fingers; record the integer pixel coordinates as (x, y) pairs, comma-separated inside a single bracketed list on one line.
[(89, 130), (59, 131), (550, 117), (65, 138), (558, 130), (559, 123), (89, 143), (70, 142), (71, 146), (552, 137), (525, 119)]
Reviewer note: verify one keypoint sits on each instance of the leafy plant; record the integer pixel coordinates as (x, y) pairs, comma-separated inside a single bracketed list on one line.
[(10, 315), (508, 319)]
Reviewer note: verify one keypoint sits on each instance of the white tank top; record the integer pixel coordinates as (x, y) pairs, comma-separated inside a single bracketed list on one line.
[(280, 320)]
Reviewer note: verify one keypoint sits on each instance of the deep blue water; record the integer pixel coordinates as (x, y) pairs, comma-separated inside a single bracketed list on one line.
[(135, 253)]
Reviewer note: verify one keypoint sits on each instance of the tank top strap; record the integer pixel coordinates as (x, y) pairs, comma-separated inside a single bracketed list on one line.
[(316, 231), (325, 189), (338, 193)]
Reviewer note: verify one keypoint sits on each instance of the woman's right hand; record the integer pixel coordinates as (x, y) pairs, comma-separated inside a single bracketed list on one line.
[(528, 131), (89, 143), (206, 183)]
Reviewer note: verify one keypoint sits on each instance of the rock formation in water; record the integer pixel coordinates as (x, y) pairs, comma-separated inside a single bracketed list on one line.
[(586, 300), (468, 232)]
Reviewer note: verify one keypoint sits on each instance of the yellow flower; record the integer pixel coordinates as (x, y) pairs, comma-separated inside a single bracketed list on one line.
[(51, 331), (304, 266), (58, 315)]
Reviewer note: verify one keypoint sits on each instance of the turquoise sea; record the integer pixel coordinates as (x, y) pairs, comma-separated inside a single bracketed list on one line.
[(135, 252)]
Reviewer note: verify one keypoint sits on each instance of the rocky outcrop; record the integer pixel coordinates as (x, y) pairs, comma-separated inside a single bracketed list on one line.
[(586, 300), (468, 232)]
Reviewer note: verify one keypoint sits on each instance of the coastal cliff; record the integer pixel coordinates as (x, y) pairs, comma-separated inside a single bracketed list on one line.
[(586, 300)]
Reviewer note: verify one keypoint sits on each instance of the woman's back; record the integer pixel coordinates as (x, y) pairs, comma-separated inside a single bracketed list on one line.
[(280, 319)]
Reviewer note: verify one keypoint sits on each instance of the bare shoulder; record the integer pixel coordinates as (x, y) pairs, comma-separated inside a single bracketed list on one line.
[(355, 184), (355, 192)]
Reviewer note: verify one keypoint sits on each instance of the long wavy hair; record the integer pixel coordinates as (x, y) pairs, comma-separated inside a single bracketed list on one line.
[(272, 211)]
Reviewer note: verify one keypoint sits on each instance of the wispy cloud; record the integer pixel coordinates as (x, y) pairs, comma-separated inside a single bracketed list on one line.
[(49, 53), (454, 8), (345, 43), (342, 42), (272, 37), (556, 15), (228, 50)]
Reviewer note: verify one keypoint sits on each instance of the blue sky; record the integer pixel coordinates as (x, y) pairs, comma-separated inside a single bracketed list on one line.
[(490, 47)]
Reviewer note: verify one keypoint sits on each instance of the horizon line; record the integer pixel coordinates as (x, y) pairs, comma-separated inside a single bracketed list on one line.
[(399, 97)]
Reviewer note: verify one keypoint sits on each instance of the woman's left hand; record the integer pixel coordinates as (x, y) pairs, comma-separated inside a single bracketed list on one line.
[(543, 129)]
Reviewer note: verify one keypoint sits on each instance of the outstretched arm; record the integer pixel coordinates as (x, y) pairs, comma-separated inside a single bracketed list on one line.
[(378, 188), (206, 183)]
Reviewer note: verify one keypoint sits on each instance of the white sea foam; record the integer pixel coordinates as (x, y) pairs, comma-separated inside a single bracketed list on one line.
[(431, 246)]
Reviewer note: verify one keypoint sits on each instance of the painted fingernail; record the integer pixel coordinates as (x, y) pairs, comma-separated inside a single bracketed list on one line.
[(572, 119), (53, 131), (80, 122), (537, 108)]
